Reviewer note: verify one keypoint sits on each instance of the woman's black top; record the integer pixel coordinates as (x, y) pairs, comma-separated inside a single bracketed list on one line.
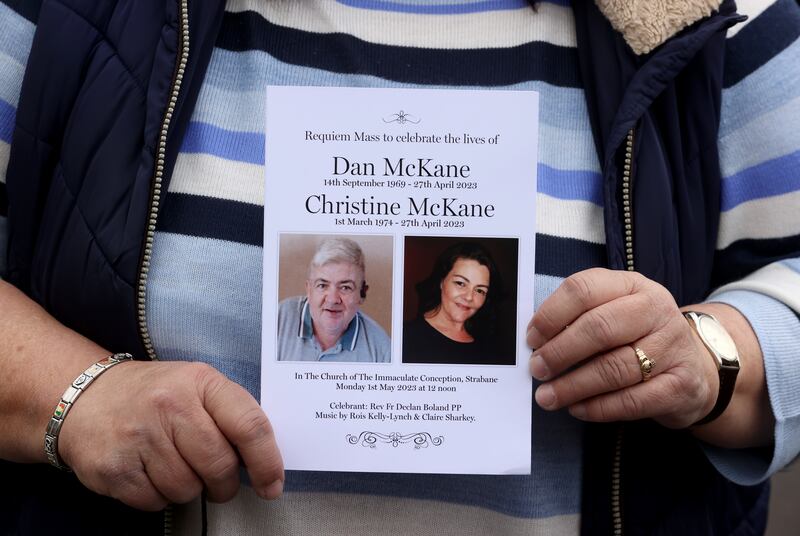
[(422, 343)]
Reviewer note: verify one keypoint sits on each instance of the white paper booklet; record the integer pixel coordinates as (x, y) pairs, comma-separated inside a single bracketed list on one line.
[(399, 232)]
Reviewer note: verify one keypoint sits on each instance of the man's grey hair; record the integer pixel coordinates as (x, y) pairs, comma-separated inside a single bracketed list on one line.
[(338, 250)]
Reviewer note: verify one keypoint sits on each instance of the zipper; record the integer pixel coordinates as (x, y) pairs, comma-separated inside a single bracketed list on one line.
[(158, 177), (627, 200), (168, 511), (155, 200), (627, 215), (616, 466)]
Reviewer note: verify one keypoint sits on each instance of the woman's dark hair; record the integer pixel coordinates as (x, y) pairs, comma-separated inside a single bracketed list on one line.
[(429, 290)]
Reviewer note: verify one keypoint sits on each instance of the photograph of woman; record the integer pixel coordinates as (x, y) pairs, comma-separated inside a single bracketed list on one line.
[(458, 305)]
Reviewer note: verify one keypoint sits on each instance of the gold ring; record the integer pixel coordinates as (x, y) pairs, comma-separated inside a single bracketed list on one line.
[(646, 365)]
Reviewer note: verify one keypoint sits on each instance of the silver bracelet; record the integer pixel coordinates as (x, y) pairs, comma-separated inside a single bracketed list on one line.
[(68, 399)]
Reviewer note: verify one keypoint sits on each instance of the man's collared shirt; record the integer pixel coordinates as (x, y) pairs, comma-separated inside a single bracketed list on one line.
[(363, 341)]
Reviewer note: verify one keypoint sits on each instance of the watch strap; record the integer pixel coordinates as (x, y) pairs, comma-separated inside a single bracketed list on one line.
[(727, 384)]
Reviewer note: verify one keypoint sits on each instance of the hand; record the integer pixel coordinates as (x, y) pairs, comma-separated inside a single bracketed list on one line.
[(591, 366), (149, 433)]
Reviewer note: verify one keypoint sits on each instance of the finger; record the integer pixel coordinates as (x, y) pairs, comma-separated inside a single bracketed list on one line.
[(612, 371), (662, 399), (638, 402), (577, 294), (607, 326), (202, 444), (140, 493), (244, 424), (125, 480), (170, 474)]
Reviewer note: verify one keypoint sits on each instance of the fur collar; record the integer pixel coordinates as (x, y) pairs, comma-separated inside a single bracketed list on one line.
[(645, 24)]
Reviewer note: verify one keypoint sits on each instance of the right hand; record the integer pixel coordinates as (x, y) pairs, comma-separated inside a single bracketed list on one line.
[(150, 433)]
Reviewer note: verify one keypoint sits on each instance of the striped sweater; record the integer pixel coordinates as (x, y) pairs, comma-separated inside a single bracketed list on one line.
[(207, 253)]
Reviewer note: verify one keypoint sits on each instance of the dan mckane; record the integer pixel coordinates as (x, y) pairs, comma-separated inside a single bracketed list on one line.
[(327, 324)]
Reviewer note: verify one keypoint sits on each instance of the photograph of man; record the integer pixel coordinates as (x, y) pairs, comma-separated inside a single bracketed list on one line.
[(458, 312), (327, 324)]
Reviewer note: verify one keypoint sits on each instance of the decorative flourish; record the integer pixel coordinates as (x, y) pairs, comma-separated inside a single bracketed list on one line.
[(420, 440), (402, 118)]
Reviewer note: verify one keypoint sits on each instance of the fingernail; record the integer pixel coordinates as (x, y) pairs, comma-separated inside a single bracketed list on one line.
[(545, 396), (578, 411), (533, 336), (273, 491), (539, 368)]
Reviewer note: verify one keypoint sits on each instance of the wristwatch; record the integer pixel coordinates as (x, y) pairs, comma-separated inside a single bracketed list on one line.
[(722, 348)]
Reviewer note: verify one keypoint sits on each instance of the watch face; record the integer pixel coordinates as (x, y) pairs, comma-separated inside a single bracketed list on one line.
[(716, 337)]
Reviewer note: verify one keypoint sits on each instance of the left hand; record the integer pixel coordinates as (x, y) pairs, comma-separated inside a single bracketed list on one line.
[(584, 337)]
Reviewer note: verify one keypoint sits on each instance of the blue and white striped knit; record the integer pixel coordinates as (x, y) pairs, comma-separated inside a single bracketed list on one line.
[(207, 254)]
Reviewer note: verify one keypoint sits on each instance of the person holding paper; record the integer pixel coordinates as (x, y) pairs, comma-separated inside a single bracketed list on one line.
[(457, 309), (134, 224), (326, 324)]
